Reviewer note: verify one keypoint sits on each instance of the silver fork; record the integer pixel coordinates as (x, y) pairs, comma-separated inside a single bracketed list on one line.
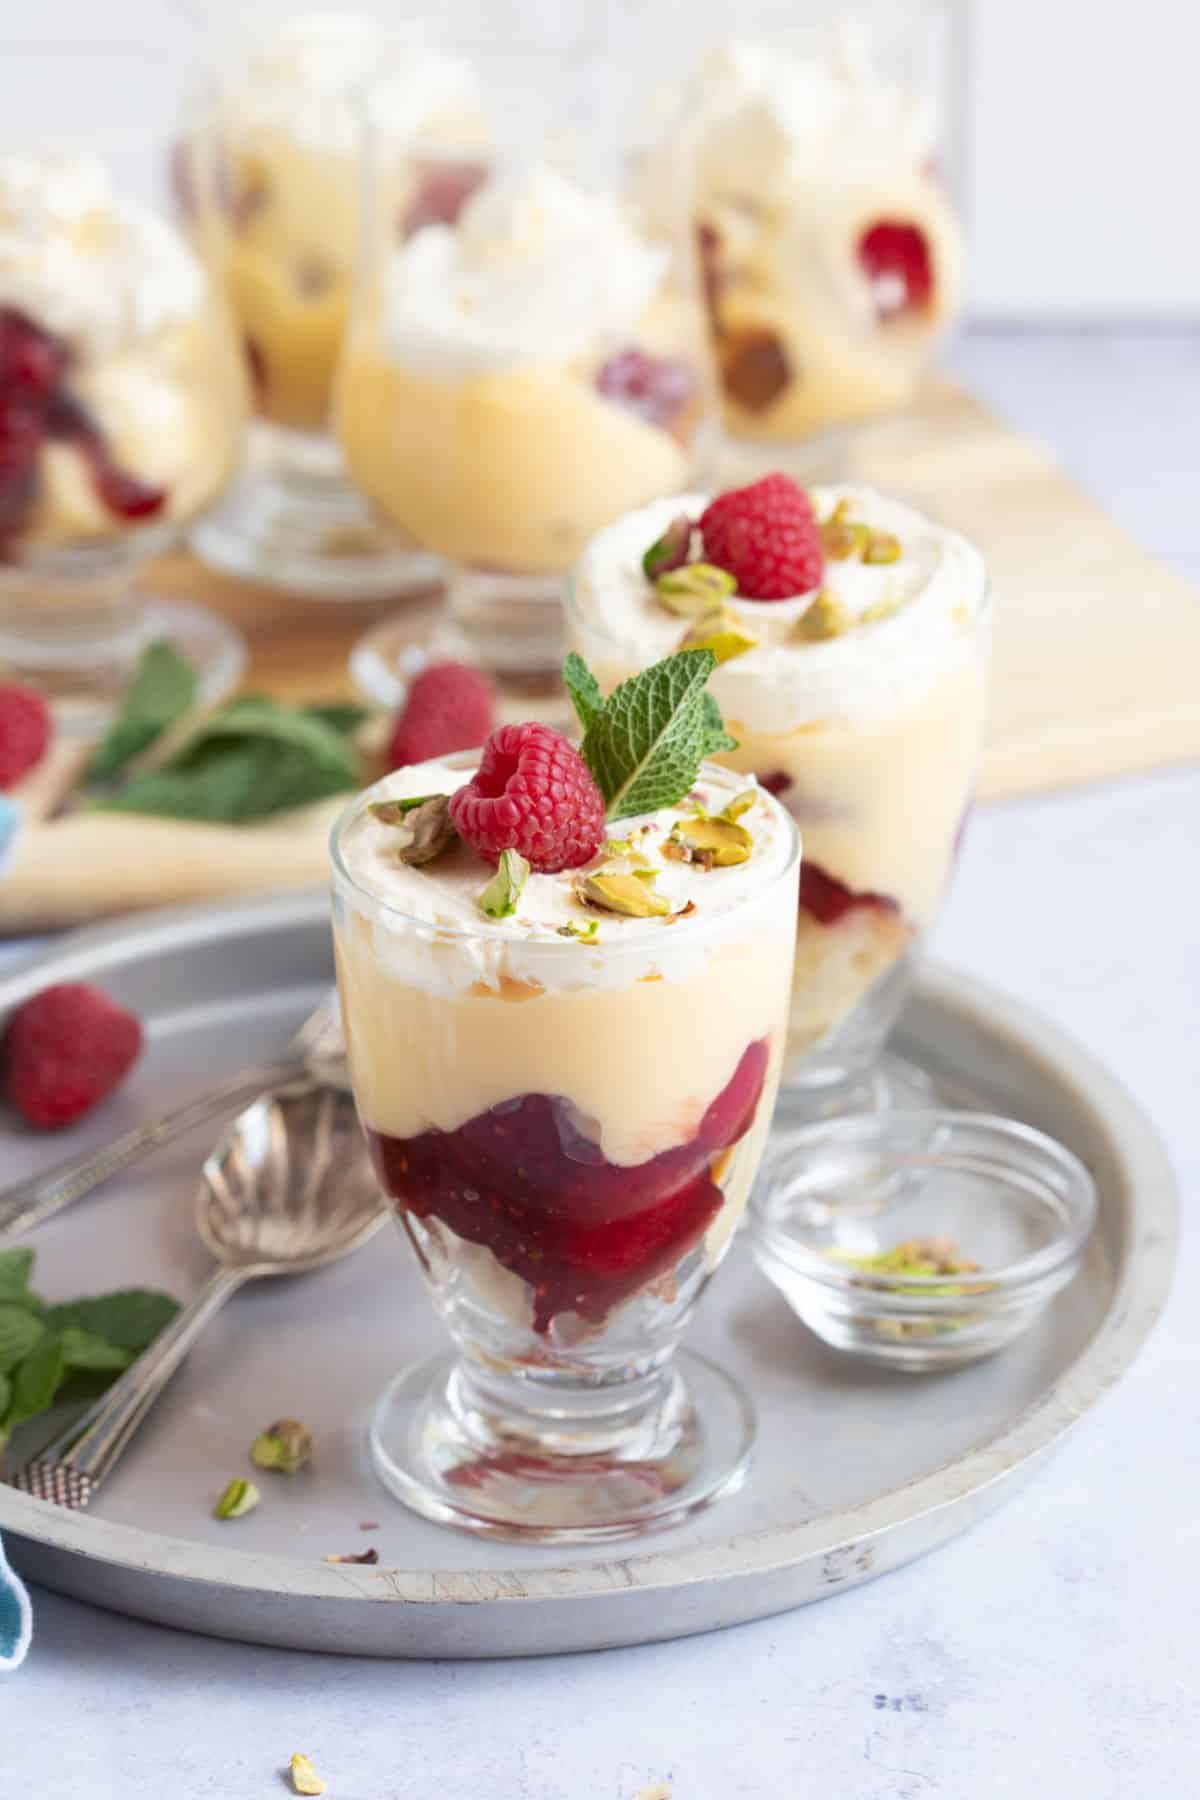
[(317, 1048), (290, 1188)]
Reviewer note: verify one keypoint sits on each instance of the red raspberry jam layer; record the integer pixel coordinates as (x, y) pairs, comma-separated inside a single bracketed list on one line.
[(585, 1234), (829, 900)]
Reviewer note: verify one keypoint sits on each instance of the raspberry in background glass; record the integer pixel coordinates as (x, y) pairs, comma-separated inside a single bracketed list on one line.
[(589, 1017), (521, 369), (122, 399), (853, 640), (269, 186), (830, 250)]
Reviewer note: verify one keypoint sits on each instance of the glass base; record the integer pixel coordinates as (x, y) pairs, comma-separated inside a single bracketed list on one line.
[(892, 1084), (83, 661), (386, 658), (513, 624), (509, 1456), (311, 537)]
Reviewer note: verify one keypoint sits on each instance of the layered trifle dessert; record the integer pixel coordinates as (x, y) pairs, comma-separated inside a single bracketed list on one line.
[(831, 256), (121, 395), (272, 184), (852, 638), (564, 990), (522, 374)]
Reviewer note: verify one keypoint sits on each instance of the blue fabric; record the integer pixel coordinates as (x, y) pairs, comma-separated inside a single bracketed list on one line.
[(10, 824), (15, 1619)]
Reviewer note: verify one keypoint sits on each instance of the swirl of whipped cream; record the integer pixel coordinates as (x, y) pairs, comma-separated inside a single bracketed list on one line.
[(301, 83), (537, 270), (84, 262), (924, 607)]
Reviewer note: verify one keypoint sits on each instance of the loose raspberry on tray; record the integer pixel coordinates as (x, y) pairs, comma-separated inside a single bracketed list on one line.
[(532, 793), (766, 536), (25, 732), (450, 707), (65, 1050)]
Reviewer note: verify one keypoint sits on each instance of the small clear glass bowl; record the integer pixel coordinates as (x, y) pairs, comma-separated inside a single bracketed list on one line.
[(948, 1186)]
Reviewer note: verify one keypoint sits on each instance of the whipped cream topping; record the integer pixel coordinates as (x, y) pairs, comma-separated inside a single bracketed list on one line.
[(460, 947), (770, 117), (538, 269), (84, 262), (302, 82), (931, 597)]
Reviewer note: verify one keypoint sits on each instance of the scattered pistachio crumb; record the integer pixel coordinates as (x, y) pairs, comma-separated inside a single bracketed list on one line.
[(305, 1779), (239, 1498), (582, 933), (286, 1446), (369, 1557)]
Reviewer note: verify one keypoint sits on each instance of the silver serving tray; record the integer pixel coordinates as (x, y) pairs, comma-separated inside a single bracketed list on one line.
[(858, 1470)]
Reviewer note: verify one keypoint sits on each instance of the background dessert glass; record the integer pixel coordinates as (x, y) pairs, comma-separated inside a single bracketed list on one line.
[(830, 249), (870, 739), (522, 367), (122, 398), (268, 182), (611, 1102)]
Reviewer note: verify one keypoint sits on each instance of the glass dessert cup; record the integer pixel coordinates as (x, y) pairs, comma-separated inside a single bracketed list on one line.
[(831, 256), (122, 398), (523, 367), (870, 739), (568, 1156), (269, 184)]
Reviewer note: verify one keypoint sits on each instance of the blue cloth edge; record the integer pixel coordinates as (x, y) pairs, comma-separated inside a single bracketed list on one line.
[(14, 1607)]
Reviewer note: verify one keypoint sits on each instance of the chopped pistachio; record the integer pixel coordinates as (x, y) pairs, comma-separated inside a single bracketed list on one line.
[(882, 547), (286, 1445), (739, 804), (845, 539), (670, 550), (305, 1779), (369, 1557), (694, 590), (625, 850), (239, 1498), (622, 894), (824, 618), (394, 812), (882, 609), (724, 632), (714, 843), (582, 933), (427, 829), (499, 898)]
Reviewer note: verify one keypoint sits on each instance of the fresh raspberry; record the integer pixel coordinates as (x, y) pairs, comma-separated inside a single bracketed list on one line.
[(65, 1050), (533, 793), (895, 257), (449, 707), (25, 731), (766, 536)]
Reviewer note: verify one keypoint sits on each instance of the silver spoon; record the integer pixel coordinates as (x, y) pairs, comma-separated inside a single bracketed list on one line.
[(317, 1048), (289, 1188)]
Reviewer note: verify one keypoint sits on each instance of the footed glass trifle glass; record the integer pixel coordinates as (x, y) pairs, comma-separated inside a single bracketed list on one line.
[(522, 367), (567, 1107), (122, 400), (831, 252), (861, 703), (269, 185)]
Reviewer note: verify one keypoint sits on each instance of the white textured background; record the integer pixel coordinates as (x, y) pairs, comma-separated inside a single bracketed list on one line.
[(1080, 128)]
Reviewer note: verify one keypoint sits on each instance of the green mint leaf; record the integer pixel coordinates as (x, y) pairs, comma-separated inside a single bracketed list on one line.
[(16, 1266), (84, 1350), (341, 716), (583, 688), (131, 1318), (716, 737), (250, 760), (499, 898), (646, 746), (36, 1381), (5, 1403), (162, 690), (20, 1332)]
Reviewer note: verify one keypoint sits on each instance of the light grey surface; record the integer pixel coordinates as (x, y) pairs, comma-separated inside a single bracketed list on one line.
[(893, 1470), (1051, 1650)]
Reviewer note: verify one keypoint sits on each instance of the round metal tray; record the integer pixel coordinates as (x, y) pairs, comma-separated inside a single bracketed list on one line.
[(857, 1471)]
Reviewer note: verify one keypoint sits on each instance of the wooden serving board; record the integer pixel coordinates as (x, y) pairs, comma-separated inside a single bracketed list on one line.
[(1097, 665)]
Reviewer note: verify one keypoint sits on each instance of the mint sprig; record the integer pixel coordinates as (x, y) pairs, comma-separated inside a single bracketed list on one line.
[(57, 1354), (163, 689), (645, 743)]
